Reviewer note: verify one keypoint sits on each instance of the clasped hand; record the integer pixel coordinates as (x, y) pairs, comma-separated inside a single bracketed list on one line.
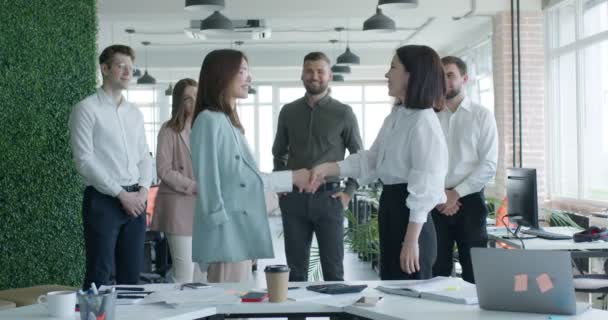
[(310, 180)]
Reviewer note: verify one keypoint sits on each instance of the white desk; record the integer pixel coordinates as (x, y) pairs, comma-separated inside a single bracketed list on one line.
[(496, 234), (392, 307)]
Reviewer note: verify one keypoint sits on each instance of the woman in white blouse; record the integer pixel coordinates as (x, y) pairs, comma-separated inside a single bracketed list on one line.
[(410, 157)]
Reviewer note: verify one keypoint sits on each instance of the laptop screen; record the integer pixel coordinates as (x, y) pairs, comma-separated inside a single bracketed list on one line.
[(536, 281)]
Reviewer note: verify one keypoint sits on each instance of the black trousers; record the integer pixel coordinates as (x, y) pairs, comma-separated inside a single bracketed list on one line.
[(303, 214), (393, 218), (467, 228), (113, 240)]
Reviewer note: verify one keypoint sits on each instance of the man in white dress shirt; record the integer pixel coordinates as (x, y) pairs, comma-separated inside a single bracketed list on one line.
[(110, 152), (472, 140)]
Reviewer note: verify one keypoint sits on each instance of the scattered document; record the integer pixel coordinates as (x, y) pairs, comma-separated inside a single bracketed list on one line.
[(214, 296), (445, 289)]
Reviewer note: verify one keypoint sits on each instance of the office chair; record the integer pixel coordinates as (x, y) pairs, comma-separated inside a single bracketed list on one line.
[(594, 283)]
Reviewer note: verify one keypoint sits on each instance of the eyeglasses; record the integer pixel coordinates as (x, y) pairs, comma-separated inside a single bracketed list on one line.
[(124, 67)]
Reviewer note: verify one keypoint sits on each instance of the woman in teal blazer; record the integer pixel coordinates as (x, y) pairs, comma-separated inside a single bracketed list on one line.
[(230, 223)]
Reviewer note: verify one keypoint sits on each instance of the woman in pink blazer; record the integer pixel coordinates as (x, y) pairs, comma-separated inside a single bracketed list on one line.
[(174, 207)]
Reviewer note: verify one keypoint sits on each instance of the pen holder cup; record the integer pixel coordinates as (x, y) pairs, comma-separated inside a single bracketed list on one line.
[(99, 306)]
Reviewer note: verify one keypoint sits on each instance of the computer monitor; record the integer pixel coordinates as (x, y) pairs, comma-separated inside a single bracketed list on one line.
[(522, 200)]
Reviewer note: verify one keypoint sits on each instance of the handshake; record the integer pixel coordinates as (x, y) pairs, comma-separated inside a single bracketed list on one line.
[(310, 180)]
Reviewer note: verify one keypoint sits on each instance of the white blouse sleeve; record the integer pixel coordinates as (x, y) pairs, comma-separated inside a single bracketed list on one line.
[(278, 181), (429, 165), (362, 165)]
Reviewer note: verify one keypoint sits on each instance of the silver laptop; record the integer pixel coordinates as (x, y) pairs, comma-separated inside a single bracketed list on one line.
[(536, 281)]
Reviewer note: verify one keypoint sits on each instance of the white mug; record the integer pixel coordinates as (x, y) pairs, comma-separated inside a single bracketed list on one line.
[(61, 304)]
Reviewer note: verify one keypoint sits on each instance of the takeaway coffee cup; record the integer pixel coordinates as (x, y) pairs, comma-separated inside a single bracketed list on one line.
[(277, 278), (61, 304)]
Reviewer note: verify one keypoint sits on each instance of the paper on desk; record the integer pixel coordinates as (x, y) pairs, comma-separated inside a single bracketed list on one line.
[(340, 300), (445, 289), (430, 285), (213, 296)]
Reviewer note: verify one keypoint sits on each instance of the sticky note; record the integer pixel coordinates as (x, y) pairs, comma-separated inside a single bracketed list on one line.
[(544, 282), (521, 283)]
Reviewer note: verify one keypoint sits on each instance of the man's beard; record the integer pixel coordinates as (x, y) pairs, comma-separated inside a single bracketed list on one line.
[(314, 91), (452, 93)]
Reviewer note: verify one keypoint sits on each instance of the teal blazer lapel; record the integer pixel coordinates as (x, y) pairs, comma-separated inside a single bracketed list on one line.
[(244, 150)]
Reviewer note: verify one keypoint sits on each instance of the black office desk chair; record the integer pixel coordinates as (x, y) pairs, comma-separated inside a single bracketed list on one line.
[(157, 258)]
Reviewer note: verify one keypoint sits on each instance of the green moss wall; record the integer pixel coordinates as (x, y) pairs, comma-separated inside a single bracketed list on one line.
[(47, 64)]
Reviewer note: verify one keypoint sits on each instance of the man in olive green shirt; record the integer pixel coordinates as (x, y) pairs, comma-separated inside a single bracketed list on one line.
[(312, 130)]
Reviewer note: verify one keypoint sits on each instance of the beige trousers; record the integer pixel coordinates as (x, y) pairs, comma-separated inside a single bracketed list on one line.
[(183, 269), (229, 271)]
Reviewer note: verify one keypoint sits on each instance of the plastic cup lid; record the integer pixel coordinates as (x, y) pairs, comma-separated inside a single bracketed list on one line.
[(277, 268)]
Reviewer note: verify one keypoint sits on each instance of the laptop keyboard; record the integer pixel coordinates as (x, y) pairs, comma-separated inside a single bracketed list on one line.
[(545, 234)]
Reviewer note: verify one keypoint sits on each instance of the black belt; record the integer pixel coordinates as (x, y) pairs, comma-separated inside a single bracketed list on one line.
[(329, 186), (131, 188)]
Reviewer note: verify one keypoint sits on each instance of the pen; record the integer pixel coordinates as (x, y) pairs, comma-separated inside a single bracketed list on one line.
[(129, 288), (122, 296), (94, 288), (135, 293)]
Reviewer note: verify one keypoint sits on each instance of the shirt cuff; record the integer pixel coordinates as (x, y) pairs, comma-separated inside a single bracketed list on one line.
[(418, 216), (145, 183), (191, 188), (463, 189), (346, 169), (116, 189), (282, 181)]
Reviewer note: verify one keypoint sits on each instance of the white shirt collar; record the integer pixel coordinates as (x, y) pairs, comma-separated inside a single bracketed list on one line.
[(105, 98)]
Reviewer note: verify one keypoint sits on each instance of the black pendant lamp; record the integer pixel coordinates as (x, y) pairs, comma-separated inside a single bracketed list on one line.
[(397, 4), (169, 90), (136, 71), (146, 79), (348, 58), (216, 23), (208, 5), (379, 23), (340, 69)]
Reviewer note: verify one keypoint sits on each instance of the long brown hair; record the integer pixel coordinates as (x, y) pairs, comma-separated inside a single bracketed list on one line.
[(178, 112), (426, 85), (219, 68)]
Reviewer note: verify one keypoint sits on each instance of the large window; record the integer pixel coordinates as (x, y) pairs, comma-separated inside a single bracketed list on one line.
[(147, 101), (577, 108), (480, 87)]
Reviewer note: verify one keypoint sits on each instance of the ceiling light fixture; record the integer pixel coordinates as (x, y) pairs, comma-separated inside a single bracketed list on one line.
[(347, 58), (397, 4), (337, 78), (208, 5), (136, 71), (169, 90), (379, 23), (216, 23), (337, 68), (340, 69), (146, 79)]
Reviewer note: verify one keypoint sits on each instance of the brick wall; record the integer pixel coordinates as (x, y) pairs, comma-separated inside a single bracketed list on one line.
[(532, 94)]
